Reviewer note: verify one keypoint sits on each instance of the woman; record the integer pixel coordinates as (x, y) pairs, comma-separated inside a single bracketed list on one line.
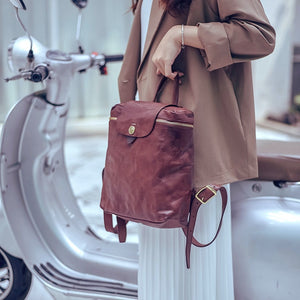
[(220, 38)]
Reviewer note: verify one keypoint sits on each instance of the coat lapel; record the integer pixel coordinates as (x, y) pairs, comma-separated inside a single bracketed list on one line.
[(157, 13), (131, 61)]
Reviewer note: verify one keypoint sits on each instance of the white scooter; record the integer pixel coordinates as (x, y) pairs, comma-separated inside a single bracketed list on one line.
[(43, 231), (43, 224)]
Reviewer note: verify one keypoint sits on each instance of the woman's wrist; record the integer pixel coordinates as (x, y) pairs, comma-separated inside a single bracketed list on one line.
[(186, 35), (182, 37), (175, 35)]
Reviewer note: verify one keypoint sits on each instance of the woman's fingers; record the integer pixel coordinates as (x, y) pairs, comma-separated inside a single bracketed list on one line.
[(166, 53), (171, 75), (165, 68)]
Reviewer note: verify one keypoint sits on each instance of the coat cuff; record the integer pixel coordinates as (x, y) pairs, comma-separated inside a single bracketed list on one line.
[(216, 52)]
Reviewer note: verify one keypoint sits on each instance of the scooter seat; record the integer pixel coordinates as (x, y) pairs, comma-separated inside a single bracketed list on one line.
[(278, 160)]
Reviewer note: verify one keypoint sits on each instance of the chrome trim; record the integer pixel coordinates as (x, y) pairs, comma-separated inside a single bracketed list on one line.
[(59, 279), (174, 123)]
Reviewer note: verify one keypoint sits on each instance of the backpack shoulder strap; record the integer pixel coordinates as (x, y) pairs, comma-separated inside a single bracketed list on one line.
[(199, 198)]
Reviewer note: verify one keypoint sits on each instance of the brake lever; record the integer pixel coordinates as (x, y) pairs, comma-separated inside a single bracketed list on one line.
[(22, 75)]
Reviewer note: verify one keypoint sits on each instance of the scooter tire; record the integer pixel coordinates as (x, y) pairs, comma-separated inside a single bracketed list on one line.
[(15, 277)]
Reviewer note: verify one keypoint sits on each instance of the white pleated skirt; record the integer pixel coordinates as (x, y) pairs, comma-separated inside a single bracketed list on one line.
[(162, 268)]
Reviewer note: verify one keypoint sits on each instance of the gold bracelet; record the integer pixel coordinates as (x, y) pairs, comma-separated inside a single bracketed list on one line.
[(182, 36)]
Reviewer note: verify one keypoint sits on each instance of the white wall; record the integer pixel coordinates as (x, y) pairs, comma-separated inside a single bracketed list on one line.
[(106, 26), (273, 74), (297, 24)]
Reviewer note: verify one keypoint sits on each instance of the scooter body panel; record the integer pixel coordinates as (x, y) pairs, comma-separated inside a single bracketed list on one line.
[(265, 230), (42, 211)]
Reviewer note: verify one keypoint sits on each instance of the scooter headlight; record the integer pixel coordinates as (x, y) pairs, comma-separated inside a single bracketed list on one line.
[(18, 54), (10, 55)]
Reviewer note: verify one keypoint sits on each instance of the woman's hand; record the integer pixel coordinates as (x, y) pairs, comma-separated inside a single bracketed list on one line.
[(170, 46), (167, 51)]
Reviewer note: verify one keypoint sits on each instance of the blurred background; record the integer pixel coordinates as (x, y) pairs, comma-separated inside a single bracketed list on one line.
[(277, 77), (105, 28)]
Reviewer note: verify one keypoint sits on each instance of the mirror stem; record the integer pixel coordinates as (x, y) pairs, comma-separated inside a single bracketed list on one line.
[(78, 30), (30, 55)]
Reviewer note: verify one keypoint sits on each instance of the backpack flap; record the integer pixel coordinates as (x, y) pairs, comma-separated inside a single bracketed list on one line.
[(136, 118)]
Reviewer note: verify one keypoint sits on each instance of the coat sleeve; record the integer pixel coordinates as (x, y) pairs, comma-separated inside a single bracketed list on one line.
[(242, 33)]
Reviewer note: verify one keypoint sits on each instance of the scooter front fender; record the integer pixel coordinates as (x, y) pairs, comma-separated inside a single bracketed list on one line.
[(7, 239), (12, 129)]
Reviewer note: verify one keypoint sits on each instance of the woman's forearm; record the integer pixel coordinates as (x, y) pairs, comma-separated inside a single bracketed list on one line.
[(170, 47)]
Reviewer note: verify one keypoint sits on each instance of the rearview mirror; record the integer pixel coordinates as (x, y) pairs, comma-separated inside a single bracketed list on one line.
[(80, 3), (18, 4)]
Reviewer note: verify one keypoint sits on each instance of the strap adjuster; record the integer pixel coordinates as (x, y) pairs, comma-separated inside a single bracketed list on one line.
[(206, 196)]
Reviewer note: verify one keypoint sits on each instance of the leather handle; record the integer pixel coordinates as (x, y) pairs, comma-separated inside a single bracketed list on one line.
[(205, 195), (175, 91)]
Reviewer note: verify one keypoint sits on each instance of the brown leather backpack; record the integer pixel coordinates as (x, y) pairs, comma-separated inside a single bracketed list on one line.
[(149, 167)]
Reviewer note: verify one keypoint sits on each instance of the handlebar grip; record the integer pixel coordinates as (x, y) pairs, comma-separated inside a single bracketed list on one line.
[(113, 58)]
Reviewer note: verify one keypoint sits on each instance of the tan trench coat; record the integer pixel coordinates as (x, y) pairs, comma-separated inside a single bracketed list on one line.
[(217, 85)]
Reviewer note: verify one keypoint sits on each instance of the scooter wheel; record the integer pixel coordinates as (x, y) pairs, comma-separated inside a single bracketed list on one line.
[(15, 278)]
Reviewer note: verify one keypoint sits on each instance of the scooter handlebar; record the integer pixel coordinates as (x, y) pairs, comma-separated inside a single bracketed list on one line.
[(113, 58), (102, 59)]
